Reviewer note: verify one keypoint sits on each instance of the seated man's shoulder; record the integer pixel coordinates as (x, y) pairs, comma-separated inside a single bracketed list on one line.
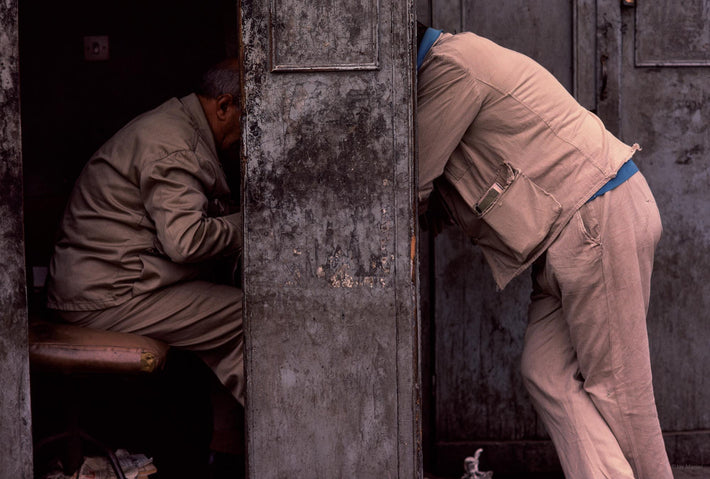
[(167, 122), (155, 134)]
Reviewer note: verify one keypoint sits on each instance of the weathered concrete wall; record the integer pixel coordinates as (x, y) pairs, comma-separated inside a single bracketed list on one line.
[(329, 241), (15, 429)]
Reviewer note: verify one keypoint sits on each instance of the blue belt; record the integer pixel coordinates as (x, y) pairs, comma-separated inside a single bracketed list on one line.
[(626, 171)]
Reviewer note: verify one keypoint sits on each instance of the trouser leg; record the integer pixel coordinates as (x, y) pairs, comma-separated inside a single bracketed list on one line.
[(589, 313), (584, 442), (199, 316)]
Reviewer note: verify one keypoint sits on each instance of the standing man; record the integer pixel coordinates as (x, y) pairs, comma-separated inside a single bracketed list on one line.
[(535, 179), (148, 220)]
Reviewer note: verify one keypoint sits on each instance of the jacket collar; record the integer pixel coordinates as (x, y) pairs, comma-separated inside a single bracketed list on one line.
[(194, 110), (429, 38)]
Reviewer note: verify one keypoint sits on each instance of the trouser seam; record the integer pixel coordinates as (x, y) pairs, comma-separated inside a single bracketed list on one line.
[(613, 348)]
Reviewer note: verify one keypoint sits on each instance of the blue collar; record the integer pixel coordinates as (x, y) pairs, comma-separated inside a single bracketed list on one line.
[(428, 40)]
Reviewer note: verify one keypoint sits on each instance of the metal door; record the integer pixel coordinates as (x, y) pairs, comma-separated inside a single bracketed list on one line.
[(654, 86), (15, 423), (329, 263)]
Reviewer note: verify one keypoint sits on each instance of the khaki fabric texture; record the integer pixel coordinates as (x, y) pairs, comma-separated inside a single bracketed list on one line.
[(198, 316), (150, 209), (490, 116), (586, 358)]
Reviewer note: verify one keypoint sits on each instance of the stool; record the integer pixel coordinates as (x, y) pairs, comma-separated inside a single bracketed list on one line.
[(75, 352)]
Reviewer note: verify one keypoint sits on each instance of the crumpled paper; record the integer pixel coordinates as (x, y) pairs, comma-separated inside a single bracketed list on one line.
[(135, 466)]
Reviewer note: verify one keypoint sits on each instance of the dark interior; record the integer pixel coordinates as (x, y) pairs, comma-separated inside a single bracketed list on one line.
[(70, 106)]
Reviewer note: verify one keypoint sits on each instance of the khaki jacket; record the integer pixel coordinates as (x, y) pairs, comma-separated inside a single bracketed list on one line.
[(148, 210), (512, 153)]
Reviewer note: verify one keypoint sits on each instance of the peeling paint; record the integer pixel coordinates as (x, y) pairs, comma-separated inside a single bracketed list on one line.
[(325, 174), (15, 422), (330, 314), (338, 34), (667, 36), (339, 267)]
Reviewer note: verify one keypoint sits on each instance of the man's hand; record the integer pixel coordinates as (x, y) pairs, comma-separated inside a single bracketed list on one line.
[(434, 214)]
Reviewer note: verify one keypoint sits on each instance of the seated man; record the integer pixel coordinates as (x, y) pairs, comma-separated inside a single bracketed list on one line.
[(146, 222), (537, 180)]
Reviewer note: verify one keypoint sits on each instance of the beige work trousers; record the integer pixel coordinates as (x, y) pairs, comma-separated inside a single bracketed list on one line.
[(197, 315), (586, 360)]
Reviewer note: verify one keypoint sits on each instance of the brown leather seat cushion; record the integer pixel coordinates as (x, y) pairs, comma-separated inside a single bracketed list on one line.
[(73, 349)]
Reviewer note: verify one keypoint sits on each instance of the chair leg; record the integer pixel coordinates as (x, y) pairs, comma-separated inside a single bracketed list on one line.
[(109, 453)]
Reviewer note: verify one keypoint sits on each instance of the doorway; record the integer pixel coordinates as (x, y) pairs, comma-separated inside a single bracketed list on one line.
[(72, 101)]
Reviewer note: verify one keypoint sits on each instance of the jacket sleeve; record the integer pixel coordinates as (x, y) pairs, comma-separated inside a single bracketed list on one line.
[(173, 191), (448, 101)]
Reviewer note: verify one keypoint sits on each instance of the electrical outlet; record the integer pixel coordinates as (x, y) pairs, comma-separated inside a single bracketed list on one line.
[(39, 276), (96, 48)]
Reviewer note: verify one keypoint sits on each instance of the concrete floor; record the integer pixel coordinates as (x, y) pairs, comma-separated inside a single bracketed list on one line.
[(691, 472), (679, 472)]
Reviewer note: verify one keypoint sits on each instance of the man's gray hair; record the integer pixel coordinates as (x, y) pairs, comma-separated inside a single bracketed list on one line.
[(220, 79)]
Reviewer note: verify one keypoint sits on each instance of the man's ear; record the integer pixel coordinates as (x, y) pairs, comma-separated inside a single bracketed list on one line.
[(223, 102)]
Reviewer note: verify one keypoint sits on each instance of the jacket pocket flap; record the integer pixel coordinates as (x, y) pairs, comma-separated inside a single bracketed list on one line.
[(518, 211)]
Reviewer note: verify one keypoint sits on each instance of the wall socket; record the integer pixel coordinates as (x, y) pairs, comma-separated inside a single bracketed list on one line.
[(39, 276), (96, 48)]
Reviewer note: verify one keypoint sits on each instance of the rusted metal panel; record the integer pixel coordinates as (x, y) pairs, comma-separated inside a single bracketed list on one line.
[(540, 29), (479, 341), (673, 34), (448, 15), (15, 423), (331, 35), (424, 12), (329, 264), (608, 58), (584, 53), (666, 110)]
